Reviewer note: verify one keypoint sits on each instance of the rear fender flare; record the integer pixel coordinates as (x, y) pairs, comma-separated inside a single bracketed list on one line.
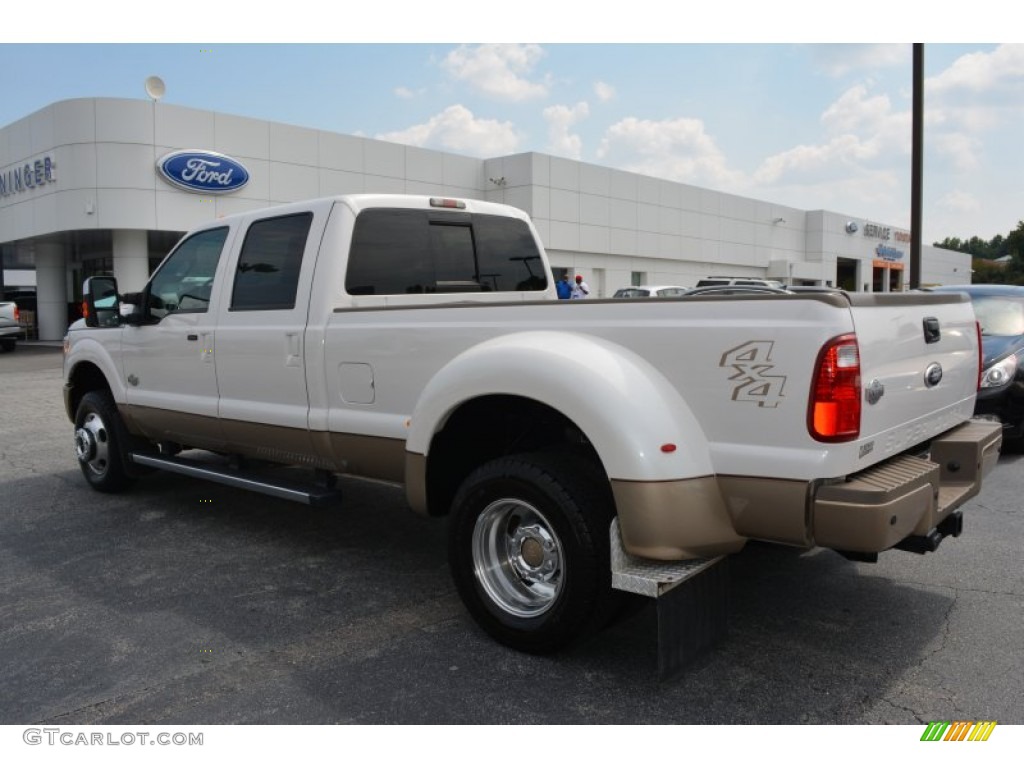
[(624, 406)]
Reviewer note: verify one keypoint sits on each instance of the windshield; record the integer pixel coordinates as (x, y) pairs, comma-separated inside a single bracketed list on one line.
[(999, 315)]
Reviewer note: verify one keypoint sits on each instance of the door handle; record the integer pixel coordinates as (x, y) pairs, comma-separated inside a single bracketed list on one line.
[(192, 337)]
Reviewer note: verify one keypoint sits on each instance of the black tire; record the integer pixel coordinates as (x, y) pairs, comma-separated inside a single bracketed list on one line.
[(8, 345), (100, 443), (529, 550)]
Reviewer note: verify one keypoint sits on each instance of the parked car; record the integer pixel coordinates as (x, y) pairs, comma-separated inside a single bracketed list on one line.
[(722, 280), (10, 325), (1000, 311), (733, 290), (650, 291)]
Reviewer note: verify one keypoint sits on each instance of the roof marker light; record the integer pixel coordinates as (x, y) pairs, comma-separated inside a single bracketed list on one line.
[(446, 202)]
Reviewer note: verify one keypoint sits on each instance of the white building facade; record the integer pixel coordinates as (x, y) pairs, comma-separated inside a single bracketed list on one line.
[(81, 194)]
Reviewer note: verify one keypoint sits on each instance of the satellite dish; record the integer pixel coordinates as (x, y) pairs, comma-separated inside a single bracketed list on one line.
[(155, 88)]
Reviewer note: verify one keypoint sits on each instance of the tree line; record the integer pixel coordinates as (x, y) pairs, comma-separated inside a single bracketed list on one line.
[(985, 252)]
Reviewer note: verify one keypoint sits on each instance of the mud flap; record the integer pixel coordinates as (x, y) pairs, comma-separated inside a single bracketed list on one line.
[(691, 598)]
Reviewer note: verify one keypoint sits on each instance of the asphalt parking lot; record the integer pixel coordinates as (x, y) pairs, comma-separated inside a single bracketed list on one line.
[(188, 602)]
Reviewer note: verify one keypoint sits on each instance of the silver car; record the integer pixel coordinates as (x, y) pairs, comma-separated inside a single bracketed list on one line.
[(649, 291)]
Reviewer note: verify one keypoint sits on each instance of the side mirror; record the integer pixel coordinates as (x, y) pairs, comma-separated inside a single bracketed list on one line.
[(100, 302), (131, 308)]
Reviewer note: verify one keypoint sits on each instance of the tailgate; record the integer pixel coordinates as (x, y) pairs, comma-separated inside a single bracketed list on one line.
[(919, 365)]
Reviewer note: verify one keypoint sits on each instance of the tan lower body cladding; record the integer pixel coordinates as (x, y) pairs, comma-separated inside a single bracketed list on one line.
[(365, 456), (868, 512), (667, 520)]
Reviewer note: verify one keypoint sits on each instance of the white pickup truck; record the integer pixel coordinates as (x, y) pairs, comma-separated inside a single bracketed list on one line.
[(420, 341), (10, 326)]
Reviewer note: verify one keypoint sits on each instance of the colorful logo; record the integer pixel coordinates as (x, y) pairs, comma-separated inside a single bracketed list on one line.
[(199, 171), (958, 730)]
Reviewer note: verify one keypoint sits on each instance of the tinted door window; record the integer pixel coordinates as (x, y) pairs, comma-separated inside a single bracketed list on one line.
[(398, 251), (185, 279), (267, 276)]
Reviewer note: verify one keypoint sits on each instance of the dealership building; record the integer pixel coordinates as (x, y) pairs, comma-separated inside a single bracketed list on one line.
[(107, 186)]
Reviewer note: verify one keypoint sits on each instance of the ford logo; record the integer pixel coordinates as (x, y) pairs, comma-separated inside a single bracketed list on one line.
[(199, 171)]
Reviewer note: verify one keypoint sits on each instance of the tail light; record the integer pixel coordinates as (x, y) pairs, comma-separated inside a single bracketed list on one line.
[(17, 314), (833, 415)]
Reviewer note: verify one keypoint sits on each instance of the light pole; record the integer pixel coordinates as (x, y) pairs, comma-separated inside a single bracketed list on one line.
[(916, 165)]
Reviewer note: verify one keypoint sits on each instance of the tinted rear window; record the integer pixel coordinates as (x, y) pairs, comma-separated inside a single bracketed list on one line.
[(267, 276), (397, 251)]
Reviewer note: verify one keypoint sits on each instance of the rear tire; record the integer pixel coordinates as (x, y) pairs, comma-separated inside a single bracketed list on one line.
[(100, 443), (8, 345), (529, 550)]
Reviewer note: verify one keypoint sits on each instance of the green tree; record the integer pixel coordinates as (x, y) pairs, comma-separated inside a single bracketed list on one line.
[(984, 252)]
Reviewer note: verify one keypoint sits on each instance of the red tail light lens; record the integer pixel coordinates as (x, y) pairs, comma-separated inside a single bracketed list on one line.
[(17, 314), (834, 411)]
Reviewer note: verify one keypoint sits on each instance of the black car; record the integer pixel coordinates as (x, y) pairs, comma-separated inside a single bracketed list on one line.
[(1000, 311)]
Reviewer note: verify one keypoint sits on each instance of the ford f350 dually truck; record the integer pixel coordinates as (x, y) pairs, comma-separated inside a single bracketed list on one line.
[(420, 341)]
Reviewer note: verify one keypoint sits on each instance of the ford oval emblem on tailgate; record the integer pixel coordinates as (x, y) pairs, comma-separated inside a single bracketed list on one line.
[(932, 375)]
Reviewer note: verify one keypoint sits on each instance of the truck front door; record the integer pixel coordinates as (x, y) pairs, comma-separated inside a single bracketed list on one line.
[(168, 358)]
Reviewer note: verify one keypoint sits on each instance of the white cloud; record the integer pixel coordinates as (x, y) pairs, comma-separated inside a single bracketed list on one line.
[(603, 91), (839, 60), (404, 93), (854, 110), (961, 149), (880, 193), (862, 133), (560, 119), (998, 70), (677, 149), (813, 163), (498, 71), (979, 93), (959, 202), (456, 129)]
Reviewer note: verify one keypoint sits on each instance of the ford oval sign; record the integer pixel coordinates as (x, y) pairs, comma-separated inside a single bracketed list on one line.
[(205, 172)]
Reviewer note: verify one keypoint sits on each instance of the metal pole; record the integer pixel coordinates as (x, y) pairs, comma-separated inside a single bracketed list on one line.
[(916, 165)]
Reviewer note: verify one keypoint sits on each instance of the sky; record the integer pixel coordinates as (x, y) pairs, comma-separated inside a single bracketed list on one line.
[(762, 110)]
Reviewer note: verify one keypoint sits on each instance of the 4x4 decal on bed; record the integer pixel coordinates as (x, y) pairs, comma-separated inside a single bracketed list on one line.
[(751, 362)]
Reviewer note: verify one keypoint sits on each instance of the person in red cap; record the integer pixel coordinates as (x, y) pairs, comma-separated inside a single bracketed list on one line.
[(580, 290)]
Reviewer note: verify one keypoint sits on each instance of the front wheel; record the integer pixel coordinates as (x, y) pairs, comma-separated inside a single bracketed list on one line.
[(529, 551), (100, 442)]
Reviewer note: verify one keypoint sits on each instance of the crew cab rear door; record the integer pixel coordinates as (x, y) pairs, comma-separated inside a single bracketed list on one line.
[(261, 323)]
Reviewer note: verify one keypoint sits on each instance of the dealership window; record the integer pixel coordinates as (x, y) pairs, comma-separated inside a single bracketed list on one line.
[(402, 251), (637, 278), (267, 276)]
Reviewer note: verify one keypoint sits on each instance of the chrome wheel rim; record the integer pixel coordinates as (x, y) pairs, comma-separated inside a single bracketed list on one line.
[(92, 444), (518, 558)]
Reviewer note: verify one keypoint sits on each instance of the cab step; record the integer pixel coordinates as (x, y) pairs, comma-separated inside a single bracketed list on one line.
[(304, 493)]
